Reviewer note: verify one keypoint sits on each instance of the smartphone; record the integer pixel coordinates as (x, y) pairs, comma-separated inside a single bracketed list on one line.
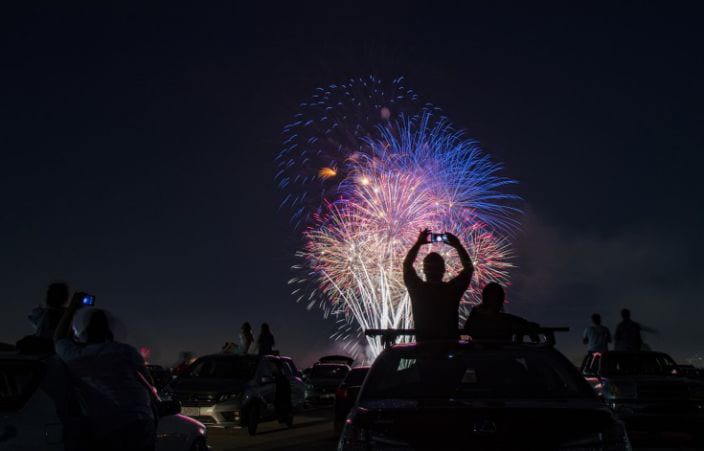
[(438, 238), (88, 300)]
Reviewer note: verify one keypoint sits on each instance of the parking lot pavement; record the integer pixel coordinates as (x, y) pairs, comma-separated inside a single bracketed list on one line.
[(312, 430)]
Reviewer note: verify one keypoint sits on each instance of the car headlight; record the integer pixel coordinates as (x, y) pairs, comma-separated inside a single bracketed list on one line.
[(227, 396)]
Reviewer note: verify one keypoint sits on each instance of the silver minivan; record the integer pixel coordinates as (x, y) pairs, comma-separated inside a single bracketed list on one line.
[(234, 390)]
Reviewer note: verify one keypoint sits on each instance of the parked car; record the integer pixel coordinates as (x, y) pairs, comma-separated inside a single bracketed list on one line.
[(323, 380), (229, 390), (345, 360), (649, 393), (33, 387), (469, 395), (346, 394)]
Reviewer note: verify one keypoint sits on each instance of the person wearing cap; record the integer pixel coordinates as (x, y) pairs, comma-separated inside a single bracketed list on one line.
[(111, 377)]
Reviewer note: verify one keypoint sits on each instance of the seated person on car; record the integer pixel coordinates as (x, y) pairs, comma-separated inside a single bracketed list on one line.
[(487, 321)]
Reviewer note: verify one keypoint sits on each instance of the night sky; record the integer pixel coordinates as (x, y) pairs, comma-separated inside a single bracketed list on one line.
[(137, 146)]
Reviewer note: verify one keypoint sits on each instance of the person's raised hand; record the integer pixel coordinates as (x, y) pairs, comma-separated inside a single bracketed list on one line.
[(452, 240), (423, 237)]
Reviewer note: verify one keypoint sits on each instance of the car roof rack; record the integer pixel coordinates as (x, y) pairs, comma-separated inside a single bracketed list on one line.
[(389, 336)]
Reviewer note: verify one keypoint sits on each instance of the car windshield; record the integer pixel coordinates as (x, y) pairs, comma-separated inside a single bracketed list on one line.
[(242, 368), (634, 364), (18, 380), (473, 374), (329, 371)]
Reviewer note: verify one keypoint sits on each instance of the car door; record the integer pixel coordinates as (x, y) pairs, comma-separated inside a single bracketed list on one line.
[(298, 388), (266, 387)]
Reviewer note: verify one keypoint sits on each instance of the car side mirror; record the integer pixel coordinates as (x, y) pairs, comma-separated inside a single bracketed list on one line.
[(264, 380), (171, 407)]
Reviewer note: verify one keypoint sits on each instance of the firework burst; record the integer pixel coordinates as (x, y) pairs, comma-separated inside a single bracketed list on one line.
[(380, 189)]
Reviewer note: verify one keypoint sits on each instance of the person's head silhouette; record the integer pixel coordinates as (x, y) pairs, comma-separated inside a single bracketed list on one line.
[(596, 319), (433, 267), (626, 314), (57, 294), (246, 327), (265, 329), (493, 297), (91, 325)]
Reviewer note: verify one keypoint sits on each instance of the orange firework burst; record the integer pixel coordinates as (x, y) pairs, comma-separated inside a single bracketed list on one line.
[(327, 173)]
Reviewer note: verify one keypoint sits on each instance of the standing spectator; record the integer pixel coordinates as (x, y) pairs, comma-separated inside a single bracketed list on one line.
[(628, 333), (596, 336), (246, 337), (112, 377), (46, 318), (265, 341)]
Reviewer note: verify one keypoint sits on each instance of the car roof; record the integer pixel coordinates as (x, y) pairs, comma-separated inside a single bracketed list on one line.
[(229, 356), (622, 353), (456, 345), (330, 365)]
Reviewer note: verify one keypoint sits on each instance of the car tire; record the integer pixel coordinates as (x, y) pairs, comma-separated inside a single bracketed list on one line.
[(199, 445), (253, 419)]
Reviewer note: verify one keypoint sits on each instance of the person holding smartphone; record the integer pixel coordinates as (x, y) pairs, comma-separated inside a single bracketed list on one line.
[(111, 378), (434, 302)]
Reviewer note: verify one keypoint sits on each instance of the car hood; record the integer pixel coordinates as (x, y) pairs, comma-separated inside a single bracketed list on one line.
[(484, 425), (206, 385)]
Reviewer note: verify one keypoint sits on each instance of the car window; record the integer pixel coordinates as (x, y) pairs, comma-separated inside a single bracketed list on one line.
[(329, 371), (289, 369), (276, 366), (471, 374), (638, 363), (241, 368), (18, 381)]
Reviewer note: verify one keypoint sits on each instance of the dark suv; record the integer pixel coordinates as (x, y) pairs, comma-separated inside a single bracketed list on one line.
[(472, 395), (649, 393), (322, 381)]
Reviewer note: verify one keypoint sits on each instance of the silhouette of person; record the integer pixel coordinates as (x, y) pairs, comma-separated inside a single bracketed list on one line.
[(628, 333), (487, 321), (282, 398), (435, 303), (246, 336), (265, 341), (112, 377), (596, 336), (47, 318)]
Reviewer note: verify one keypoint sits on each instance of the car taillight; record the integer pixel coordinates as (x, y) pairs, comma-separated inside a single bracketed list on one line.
[(353, 437), (341, 393)]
